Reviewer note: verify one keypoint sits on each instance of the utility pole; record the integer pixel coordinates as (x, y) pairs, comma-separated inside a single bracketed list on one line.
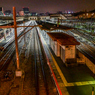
[(15, 26), (16, 40), (18, 71)]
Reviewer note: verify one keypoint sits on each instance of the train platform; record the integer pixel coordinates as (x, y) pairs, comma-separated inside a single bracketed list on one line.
[(76, 79)]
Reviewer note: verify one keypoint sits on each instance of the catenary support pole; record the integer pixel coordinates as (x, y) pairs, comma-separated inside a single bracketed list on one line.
[(16, 40)]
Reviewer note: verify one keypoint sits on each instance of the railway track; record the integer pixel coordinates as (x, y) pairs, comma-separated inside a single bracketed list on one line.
[(86, 52), (90, 48), (6, 57), (4, 61), (2, 48), (87, 49), (84, 35), (84, 47), (41, 82)]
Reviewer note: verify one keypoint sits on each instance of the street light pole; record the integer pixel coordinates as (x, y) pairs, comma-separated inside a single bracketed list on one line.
[(16, 40)]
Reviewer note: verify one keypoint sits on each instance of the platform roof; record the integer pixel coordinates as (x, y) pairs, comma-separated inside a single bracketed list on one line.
[(63, 38), (51, 27)]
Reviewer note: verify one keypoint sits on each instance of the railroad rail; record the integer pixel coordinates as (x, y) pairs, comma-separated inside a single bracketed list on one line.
[(39, 70), (6, 57), (49, 62), (44, 83), (13, 38), (4, 60), (84, 50), (84, 35)]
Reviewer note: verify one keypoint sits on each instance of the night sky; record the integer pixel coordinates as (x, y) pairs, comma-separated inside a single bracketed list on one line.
[(49, 5)]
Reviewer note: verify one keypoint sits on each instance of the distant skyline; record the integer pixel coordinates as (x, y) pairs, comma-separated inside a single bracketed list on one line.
[(49, 5)]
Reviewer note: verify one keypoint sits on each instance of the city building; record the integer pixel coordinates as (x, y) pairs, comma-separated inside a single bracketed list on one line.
[(55, 17), (34, 14), (26, 11), (32, 18), (1, 11), (21, 13), (69, 15), (8, 13)]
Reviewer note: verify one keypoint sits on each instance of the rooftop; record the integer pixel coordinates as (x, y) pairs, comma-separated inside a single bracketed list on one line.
[(63, 38)]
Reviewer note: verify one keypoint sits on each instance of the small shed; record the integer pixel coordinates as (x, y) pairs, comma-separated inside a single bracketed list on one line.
[(64, 46)]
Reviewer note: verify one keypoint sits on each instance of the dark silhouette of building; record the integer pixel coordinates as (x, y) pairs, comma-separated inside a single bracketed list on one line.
[(26, 11), (7, 12), (1, 11)]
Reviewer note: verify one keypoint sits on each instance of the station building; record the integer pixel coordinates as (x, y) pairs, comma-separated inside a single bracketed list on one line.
[(64, 46)]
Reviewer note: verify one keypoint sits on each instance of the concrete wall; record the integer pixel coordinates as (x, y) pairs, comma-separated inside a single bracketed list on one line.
[(70, 51), (58, 50), (62, 53), (90, 65), (51, 44), (33, 18), (80, 58), (66, 53), (84, 60), (19, 18), (44, 17)]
